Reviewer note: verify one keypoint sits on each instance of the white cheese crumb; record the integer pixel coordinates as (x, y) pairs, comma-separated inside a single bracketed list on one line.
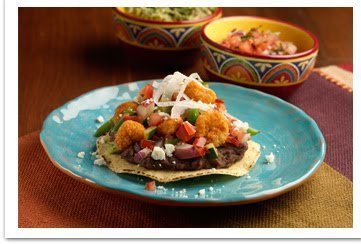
[(158, 153), (101, 140), (81, 154), (173, 162), (94, 153), (202, 192), (162, 188), (211, 189), (182, 193), (100, 162), (243, 126), (100, 119), (169, 149), (270, 158), (213, 169)]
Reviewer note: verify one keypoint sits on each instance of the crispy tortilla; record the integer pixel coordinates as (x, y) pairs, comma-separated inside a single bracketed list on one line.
[(119, 165)]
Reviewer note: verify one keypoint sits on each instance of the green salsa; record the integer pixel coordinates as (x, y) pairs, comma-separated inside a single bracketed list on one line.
[(170, 14)]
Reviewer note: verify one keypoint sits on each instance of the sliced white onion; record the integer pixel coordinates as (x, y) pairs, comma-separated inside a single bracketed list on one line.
[(180, 107), (175, 83)]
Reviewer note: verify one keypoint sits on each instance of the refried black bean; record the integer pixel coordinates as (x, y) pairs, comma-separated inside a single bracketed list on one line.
[(227, 155)]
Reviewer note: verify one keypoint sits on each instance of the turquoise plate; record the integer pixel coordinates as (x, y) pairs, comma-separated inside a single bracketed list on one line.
[(288, 132)]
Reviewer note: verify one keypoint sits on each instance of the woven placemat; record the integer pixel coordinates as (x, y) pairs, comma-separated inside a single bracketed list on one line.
[(49, 198)]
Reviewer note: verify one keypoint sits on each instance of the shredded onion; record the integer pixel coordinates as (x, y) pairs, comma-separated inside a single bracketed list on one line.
[(177, 83), (180, 107)]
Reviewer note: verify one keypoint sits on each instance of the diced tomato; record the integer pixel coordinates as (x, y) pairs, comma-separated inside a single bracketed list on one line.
[(132, 117), (155, 119), (200, 141), (146, 92), (147, 143), (201, 151), (220, 105), (236, 137), (150, 186), (233, 140), (186, 131), (246, 47)]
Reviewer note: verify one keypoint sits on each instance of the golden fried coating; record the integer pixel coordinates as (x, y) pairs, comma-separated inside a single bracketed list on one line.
[(129, 132), (200, 93), (213, 126), (122, 107), (169, 127)]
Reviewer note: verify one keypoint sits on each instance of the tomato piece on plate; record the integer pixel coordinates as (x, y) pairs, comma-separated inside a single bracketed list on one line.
[(200, 142), (132, 117), (150, 186), (146, 92), (155, 119), (186, 131), (220, 105), (236, 137), (147, 143)]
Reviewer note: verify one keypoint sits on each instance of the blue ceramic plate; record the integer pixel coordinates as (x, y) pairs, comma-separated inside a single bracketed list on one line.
[(288, 132)]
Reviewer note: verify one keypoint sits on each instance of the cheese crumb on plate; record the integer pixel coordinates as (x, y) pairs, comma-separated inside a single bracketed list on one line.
[(270, 158), (81, 154), (100, 119)]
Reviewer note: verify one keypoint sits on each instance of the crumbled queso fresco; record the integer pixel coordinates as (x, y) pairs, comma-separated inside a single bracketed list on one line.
[(158, 153), (81, 154), (169, 149), (270, 158), (100, 119), (202, 192), (100, 162)]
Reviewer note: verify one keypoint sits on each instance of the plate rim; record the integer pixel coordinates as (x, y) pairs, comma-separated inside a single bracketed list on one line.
[(264, 195)]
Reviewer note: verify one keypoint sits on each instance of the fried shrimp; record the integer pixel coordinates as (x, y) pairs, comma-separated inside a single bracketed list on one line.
[(214, 126), (200, 93), (169, 127), (128, 133), (120, 109)]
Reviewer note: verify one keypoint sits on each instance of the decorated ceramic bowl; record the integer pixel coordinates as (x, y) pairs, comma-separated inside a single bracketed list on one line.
[(279, 75), (160, 35)]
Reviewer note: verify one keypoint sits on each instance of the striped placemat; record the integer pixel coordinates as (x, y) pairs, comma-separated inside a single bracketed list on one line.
[(49, 198)]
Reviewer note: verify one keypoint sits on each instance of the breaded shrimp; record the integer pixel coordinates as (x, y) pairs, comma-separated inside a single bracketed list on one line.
[(129, 132), (122, 107), (200, 93), (213, 126), (169, 126)]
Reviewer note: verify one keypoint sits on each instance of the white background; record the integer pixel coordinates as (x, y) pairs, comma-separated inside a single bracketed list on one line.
[(10, 117)]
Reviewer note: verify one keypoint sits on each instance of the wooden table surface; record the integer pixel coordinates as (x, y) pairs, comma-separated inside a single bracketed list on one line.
[(64, 52)]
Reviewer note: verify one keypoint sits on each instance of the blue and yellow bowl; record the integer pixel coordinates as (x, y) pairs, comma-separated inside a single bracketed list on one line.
[(279, 75), (160, 35)]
